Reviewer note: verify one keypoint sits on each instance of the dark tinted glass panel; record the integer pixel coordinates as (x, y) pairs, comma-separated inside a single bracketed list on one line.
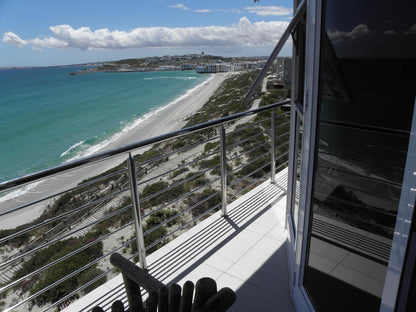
[(366, 96)]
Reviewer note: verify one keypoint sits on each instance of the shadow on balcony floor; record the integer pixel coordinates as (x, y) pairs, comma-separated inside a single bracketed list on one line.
[(244, 251)]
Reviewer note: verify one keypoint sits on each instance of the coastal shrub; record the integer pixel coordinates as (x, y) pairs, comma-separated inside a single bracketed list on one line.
[(153, 221), (154, 236), (211, 147), (178, 172), (166, 194), (153, 153), (274, 96), (119, 219), (88, 276), (17, 241), (205, 200), (64, 268), (165, 214), (228, 97), (209, 163), (151, 236), (260, 150), (243, 133), (174, 192), (252, 167), (153, 188), (196, 181)]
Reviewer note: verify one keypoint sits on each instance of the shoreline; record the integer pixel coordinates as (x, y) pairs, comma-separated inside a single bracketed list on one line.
[(162, 120)]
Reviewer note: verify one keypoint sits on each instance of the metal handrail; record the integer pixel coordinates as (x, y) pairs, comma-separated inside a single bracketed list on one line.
[(195, 210), (129, 147)]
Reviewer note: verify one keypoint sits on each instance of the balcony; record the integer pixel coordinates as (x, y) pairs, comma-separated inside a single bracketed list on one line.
[(209, 200), (245, 251)]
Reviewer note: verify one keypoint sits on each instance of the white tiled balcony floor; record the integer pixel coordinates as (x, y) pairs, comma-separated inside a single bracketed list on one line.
[(245, 251)]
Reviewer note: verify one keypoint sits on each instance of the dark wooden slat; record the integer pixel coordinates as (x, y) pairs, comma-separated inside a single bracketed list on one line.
[(174, 298), (205, 288), (117, 306), (187, 295)]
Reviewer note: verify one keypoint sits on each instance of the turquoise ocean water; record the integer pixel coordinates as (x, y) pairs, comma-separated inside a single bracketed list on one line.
[(48, 117)]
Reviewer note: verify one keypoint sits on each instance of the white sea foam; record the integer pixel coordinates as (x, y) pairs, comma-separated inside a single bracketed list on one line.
[(19, 192), (163, 77), (130, 126), (71, 148)]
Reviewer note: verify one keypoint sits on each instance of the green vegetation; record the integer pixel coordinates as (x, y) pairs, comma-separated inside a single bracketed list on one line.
[(121, 218), (211, 147), (203, 201), (164, 193), (197, 180), (62, 269), (186, 179), (178, 172), (154, 234), (227, 100)]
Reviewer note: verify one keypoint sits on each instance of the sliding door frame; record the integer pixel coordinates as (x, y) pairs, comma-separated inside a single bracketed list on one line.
[(310, 100)]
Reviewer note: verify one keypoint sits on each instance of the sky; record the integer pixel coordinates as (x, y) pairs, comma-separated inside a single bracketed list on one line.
[(64, 32)]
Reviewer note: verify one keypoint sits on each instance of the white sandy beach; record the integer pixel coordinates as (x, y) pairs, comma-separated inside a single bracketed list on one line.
[(170, 118)]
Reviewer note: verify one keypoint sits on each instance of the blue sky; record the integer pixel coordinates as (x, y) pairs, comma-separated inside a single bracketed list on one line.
[(59, 32)]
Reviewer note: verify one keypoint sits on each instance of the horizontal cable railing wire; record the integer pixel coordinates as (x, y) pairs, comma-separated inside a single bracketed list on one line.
[(61, 216), (188, 209), (178, 184), (97, 208), (208, 211), (181, 197), (73, 273), (124, 149), (142, 182), (60, 259)]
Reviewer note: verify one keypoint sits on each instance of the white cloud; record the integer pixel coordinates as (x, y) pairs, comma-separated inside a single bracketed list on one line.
[(49, 42), (179, 6), (258, 10), (359, 31), (242, 34), (203, 11), (269, 10), (13, 39), (412, 30), (391, 32)]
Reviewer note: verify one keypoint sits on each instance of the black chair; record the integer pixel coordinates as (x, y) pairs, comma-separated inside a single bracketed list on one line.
[(171, 298)]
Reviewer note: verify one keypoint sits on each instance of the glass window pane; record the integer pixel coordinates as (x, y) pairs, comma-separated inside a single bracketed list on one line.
[(367, 90)]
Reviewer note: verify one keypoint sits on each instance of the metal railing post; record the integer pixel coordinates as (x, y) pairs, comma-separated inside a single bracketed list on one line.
[(136, 212), (223, 157), (273, 147)]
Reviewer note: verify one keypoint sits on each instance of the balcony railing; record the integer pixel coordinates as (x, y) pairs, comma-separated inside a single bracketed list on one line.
[(133, 200)]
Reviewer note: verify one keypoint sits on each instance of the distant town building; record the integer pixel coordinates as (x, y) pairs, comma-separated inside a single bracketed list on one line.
[(213, 68), (227, 67), (169, 67), (283, 68), (188, 66)]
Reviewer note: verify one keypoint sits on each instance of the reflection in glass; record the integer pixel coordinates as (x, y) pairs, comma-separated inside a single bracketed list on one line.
[(298, 166), (367, 89)]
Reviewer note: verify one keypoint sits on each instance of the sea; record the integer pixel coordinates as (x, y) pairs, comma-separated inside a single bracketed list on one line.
[(48, 117)]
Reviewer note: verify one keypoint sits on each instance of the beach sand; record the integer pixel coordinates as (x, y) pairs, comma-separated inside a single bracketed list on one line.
[(171, 117)]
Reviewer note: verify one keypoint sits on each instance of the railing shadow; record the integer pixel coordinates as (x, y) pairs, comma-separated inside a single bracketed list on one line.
[(189, 254)]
